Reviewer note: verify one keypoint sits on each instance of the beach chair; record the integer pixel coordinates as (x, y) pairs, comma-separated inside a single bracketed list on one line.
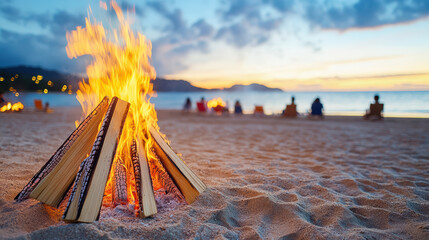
[(201, 107), (259, 110), (375, 111), (38, 105), (290, 111)]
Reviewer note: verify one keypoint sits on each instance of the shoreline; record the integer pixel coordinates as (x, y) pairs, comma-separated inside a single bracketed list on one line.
[(406, 104), (300, 117)]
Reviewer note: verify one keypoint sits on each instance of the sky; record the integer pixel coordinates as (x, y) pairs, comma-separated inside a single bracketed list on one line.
[(295, 45)]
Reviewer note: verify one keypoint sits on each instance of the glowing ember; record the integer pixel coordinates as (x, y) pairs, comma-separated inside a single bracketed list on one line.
[(9, 107), (120, 67)]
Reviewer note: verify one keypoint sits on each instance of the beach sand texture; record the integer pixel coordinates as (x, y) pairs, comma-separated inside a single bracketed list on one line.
[(270, 178)]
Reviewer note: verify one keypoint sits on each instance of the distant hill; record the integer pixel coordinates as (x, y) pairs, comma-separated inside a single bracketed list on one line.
[(252, 87), (25, 74), (22, 79), (164, 85)]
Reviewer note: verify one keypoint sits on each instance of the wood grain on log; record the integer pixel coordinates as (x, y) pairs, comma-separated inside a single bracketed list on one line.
[(186, 180), (95, 115), (85, 201), (146, 198), (119, 184), (137, 174)]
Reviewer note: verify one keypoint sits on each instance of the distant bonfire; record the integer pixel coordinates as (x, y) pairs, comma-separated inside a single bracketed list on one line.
[(9, 107)]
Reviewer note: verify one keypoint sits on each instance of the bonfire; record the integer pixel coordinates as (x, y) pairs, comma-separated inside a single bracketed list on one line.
[(217, 104), (116, 155), (9, 107)]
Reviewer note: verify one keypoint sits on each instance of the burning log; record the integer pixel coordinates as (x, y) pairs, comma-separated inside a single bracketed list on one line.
[(119, 184), (186, 180), (159, 172), (161, 164), (54, 179), (85, 200), (146, 198)]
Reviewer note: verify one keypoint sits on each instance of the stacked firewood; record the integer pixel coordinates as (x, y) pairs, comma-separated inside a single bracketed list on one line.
[(84, 161)]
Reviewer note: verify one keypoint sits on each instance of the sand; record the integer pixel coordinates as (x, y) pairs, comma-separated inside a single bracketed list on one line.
[(269, 178)]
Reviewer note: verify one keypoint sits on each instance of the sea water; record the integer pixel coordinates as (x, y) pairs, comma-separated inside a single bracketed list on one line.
[(400, 103)]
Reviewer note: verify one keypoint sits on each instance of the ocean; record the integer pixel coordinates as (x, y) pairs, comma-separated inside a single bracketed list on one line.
[(396, 104)]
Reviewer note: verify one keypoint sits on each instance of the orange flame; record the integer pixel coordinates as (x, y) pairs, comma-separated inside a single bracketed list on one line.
[(120, 67), (9, 107)]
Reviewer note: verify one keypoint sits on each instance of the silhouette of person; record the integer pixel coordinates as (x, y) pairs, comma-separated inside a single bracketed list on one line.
[(204, 102), (47, 109), (188, 105), (290, 110), (376, 97), (2, 100), (317, 108), (375, 109), (237, 108)]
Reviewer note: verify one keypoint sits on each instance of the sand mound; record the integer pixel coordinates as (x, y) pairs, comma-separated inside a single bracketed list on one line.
[(268, 178)]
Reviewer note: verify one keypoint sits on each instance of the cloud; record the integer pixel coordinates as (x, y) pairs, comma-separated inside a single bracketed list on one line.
[(9, 12), (35, 50), (364, 13), (58, 23), (282, 6), (412, 86), (244, 23), (62, 21), (44, 49), (371, 77), (126, 6), (178, 40), (254, 22)]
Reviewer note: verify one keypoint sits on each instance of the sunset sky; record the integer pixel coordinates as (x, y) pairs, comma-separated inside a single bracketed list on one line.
[(294, 45)]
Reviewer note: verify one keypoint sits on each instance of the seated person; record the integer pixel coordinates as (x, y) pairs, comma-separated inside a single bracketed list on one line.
[(188, 105), (237, 108), (375, 110), (317, 108), (202, 105), (47, 108), (290, 110), (2, 100)]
